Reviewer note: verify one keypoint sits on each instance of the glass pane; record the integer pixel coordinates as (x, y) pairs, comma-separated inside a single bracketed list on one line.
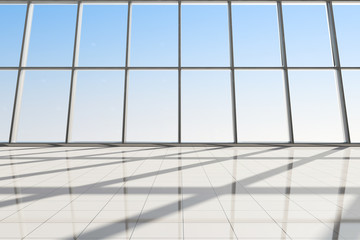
[(98, 106), (12, 19), (206, 106), (52, 35), (261, 106), (351, 81), (315, 106), (307, 35), (103, 35), (7, 94), (152, 114), (204, 35), (256, 35), (347, 21), (154, 35), (44, 106)]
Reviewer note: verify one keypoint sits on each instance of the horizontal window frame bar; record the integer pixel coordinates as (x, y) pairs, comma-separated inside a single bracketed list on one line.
[(164, 1), (177, 68), (119, 144)]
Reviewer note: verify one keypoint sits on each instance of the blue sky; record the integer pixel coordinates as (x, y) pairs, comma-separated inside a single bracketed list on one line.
[(206, 107)]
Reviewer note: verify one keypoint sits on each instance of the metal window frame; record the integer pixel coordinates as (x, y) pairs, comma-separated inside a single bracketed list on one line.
[(126, 78), (339, 80), (232, 77), (73, 82), (179, 71), (74, 68), (20, 78), (285, 70)]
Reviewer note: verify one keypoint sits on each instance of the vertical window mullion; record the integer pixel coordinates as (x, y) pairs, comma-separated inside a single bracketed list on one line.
[(127, 53), (232, 77), (339, 80), (20, 79), (74, 73), (179, 71), (286, 73)]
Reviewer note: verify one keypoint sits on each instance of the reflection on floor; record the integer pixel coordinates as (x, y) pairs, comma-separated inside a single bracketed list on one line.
[(179, 193)]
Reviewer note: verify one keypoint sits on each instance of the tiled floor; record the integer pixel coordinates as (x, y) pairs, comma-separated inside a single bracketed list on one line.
[(179, 193)]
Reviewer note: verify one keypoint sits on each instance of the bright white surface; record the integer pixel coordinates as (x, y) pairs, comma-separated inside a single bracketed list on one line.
[(316, 112), (179, 193), (152, 114), (98, 105), (206, 114), (261, 106), (44, 106)]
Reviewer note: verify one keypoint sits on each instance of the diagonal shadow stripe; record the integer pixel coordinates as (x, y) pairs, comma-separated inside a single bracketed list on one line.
[(136, 177), (123, 161), (77, 150), (113, 228)]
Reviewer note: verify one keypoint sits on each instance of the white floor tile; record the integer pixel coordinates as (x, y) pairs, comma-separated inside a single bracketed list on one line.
[(156, 193)]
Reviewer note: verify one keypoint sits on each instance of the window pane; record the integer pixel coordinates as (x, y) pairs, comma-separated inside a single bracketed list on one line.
[(152, 114), (7, 94), (12, 19), (347, 21), (52, 35), (256, 35), (98, 106), (351, 81), (261, 106), (44, 106), (206, 106), (315, 106), (204, 35), (103, 35), (154, 35), (307, 36)]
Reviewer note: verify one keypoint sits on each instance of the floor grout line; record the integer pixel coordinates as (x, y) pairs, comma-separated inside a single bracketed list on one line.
[(172, 182), (124, 183)]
